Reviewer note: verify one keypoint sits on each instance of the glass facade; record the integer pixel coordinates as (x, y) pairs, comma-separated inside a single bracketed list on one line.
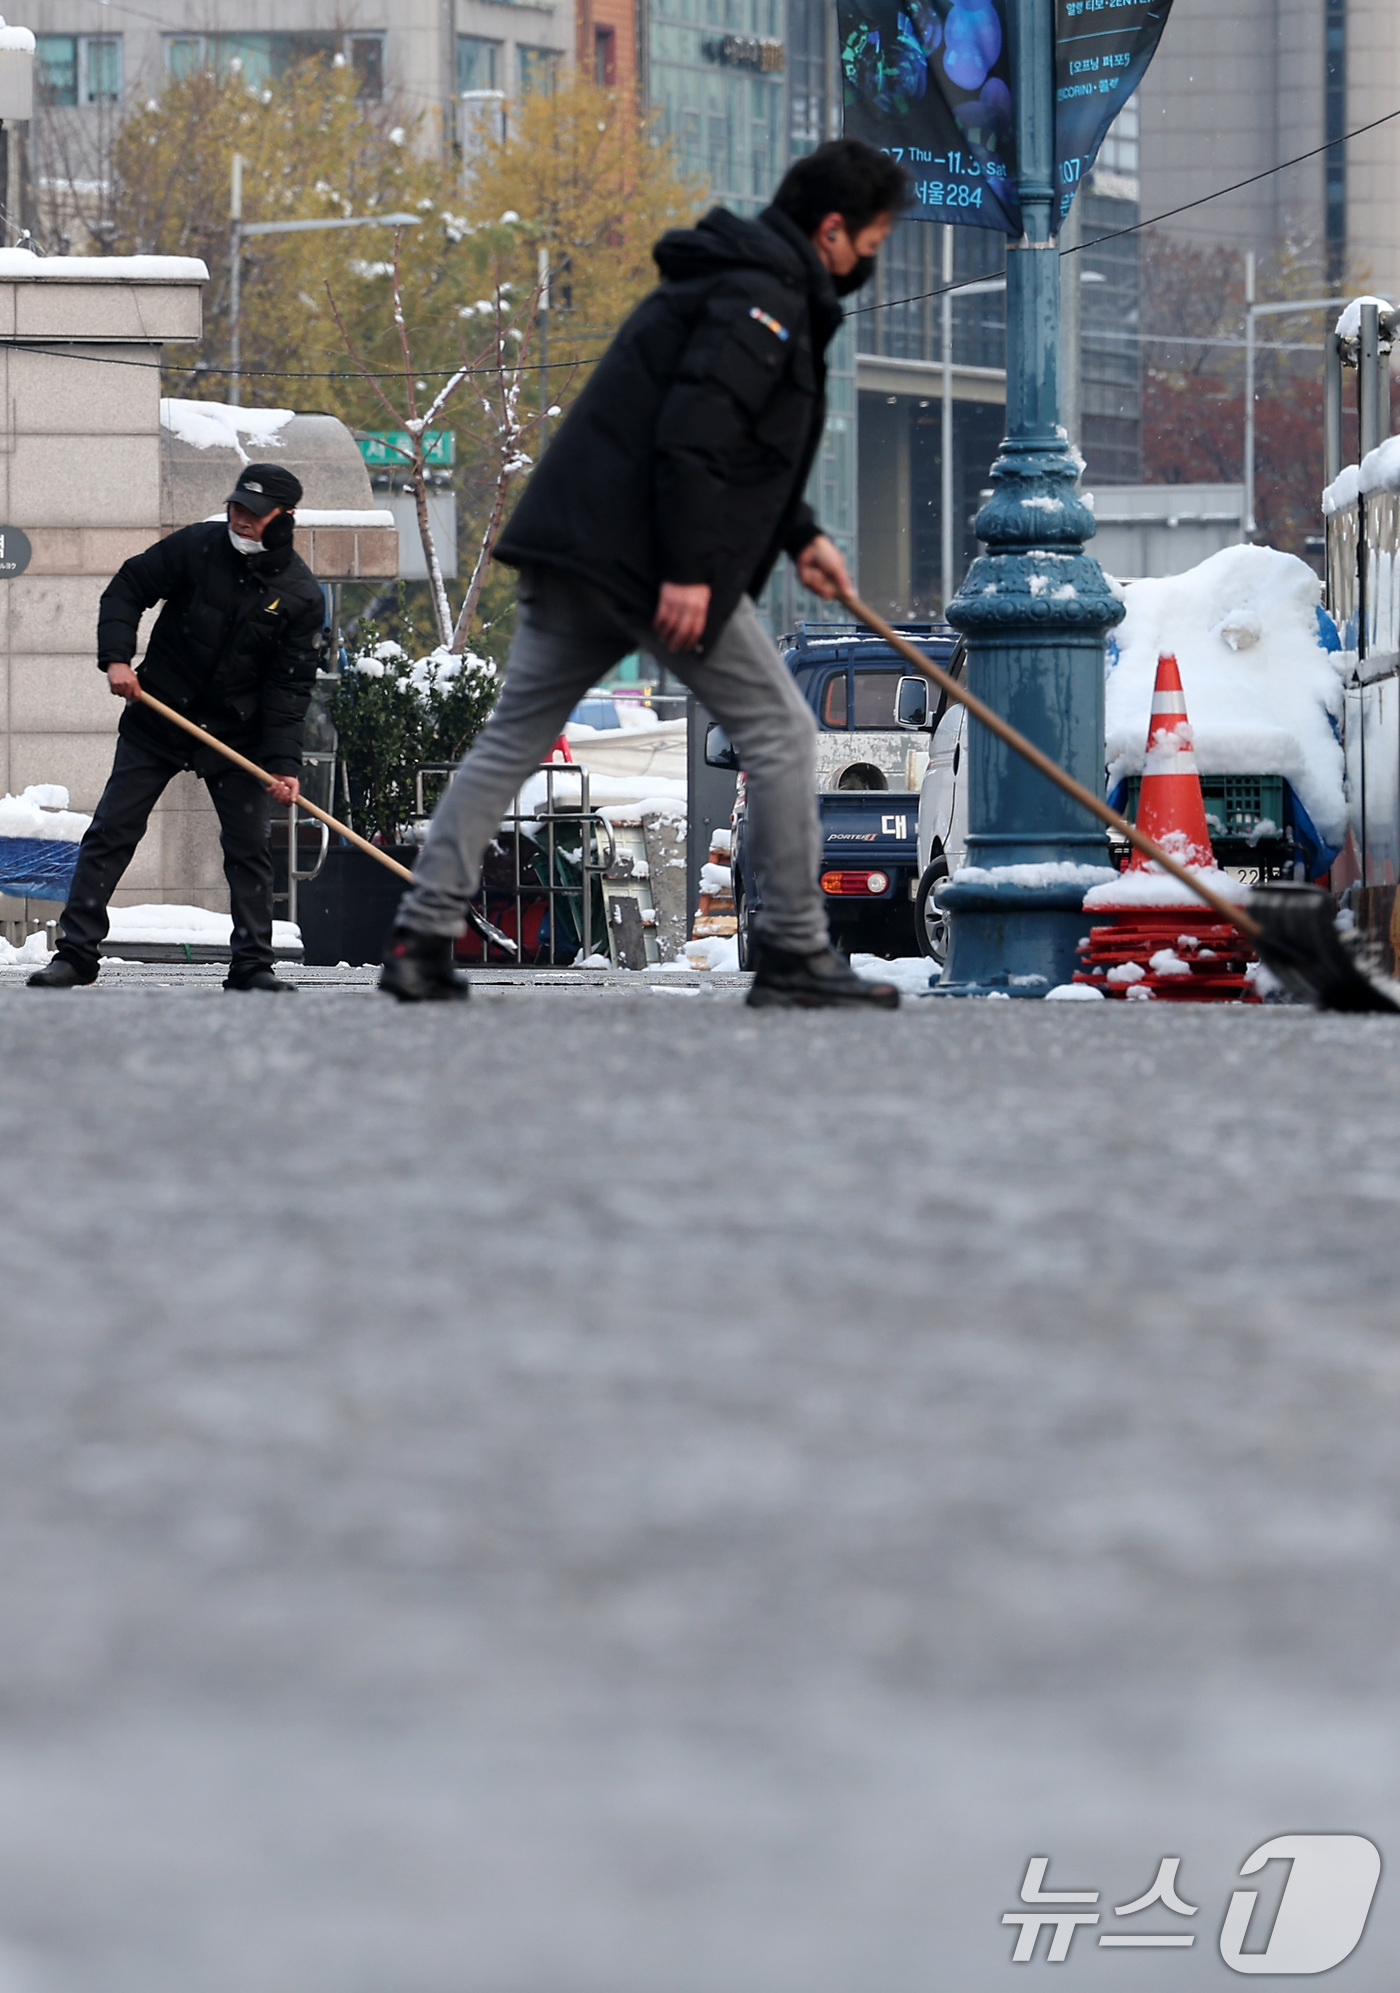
[(723, 115)]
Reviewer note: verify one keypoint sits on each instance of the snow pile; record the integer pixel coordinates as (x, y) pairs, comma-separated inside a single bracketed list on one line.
[(42, 812), (211, 425), (191, 927), (1261, 692), (32, 952), (19, 39), (617, 798), (1074, 993), (710, 951)]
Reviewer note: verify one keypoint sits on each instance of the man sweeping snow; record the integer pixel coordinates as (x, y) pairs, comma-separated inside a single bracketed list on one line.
[(235, 648), (667, 497)]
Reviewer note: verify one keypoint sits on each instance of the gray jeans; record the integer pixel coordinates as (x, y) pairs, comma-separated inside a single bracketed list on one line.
[(569, 635)]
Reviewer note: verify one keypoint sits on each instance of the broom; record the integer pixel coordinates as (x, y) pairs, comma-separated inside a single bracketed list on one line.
[(1293, 926), (479, 921)]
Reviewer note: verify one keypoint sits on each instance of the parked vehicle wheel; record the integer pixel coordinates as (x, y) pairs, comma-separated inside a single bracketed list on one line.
[(931, 926), (741, 933)]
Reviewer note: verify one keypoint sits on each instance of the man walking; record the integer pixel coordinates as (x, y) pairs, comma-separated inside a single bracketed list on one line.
[(235, 648), (670, 491)]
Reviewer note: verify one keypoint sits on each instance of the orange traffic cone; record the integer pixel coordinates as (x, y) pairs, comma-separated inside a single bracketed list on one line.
[(1171, 808), (1142, 951)]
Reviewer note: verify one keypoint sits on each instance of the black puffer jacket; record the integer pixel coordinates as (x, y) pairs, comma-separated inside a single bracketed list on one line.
[(235, 647), (685, 457)]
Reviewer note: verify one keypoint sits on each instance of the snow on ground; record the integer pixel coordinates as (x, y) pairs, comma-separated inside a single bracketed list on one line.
[(33, 951), (911, 974), (1260, 690), (186, 927), (42, 812), (1075, 993)]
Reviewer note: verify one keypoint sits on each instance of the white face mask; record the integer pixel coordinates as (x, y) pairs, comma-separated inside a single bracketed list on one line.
[(244, 546)]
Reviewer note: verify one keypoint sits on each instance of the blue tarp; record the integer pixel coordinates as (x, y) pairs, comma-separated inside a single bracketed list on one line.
[(36, 868)]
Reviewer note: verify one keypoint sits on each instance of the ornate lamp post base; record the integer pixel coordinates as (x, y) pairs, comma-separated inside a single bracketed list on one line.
[(1035, 610)]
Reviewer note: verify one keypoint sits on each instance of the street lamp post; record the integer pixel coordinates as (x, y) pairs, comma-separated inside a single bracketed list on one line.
[(1035, 609), (1253, 311), (239, 230)]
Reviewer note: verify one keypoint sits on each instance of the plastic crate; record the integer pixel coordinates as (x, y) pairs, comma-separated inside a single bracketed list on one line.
[(1234, 803)]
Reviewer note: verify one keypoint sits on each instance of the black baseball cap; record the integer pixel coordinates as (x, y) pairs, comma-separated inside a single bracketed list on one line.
[(262, 487)]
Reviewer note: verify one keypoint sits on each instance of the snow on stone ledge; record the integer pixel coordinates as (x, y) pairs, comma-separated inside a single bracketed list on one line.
[(1260, 690), (207, 425), (24, 264), (16, 40)]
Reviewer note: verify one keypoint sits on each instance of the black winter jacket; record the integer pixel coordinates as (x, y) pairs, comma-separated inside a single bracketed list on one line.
[(235, 647), (685, 457)]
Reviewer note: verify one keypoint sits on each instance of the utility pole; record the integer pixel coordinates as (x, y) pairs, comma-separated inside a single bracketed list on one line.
[(235, 280), (542, 312), (1035, 609)]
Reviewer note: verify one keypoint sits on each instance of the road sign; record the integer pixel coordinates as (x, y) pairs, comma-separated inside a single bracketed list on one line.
[(390, 449), (15, 552)]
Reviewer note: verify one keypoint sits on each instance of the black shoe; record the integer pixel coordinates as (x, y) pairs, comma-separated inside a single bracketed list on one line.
[(419, 968), (60, 974), (260, 979), (784, 981)]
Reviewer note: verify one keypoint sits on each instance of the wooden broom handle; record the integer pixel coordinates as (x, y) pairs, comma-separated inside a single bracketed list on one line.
[(251, 768), (1018, 743)]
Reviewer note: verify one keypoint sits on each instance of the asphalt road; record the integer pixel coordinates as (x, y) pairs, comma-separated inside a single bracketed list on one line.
[(605, 1492)]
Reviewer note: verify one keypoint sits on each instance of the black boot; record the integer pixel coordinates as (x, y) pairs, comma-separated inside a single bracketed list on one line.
[(260, 979), (418, 968), (785, 981), (61, 974)]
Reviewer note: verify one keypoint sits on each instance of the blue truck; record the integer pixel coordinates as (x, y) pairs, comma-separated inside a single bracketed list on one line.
[(872, 752)]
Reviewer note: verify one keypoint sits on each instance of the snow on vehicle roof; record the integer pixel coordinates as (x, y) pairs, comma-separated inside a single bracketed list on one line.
[(1261, 692)]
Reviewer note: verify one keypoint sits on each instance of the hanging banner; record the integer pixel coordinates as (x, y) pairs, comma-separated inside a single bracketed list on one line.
[(929, 81), (1102, 49)]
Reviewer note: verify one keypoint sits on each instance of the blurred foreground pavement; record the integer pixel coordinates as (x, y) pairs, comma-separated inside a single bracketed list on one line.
[(605, 1492)]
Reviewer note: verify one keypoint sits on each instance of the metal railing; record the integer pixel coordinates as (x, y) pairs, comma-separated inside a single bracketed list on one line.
[(531, 857)]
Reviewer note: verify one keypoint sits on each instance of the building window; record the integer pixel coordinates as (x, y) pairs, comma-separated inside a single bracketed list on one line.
[(478, 64), (367, 60), (1335, 124), (263, 58), (538, 69), (79, 69), (605, 57)]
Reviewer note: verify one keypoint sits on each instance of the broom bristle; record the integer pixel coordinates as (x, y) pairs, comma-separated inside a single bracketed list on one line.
[(1299, 944)]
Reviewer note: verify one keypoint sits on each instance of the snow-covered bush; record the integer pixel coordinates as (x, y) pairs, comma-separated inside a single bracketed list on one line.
[(394, 715)]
